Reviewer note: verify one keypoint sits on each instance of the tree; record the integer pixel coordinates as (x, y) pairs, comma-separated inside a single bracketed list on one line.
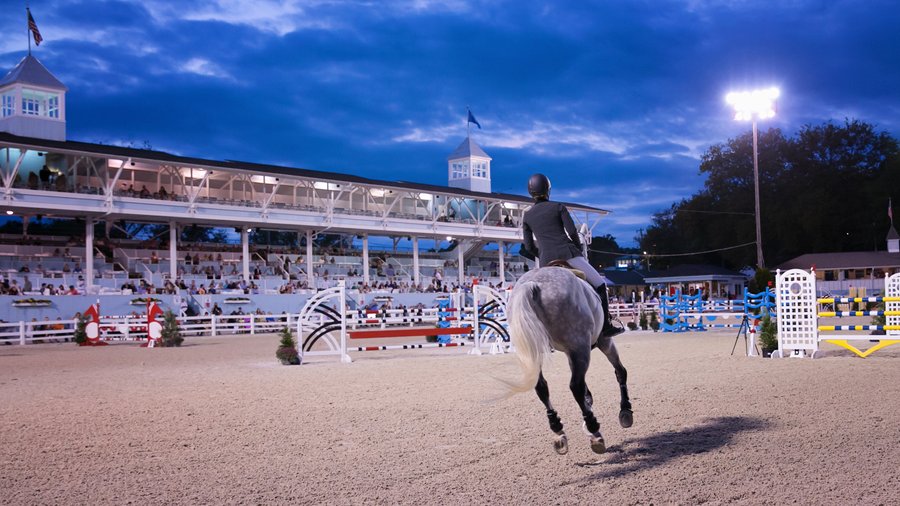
[(824, 190)]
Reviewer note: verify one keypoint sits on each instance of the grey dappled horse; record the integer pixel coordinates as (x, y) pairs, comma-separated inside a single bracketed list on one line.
[(548, 307)]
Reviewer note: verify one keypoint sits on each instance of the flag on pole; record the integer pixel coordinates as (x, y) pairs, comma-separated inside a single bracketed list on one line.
[(890, 212), (473, 120), (34, 29)]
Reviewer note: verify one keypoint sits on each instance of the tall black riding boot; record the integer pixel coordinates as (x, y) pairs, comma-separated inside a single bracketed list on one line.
[(609, 330)]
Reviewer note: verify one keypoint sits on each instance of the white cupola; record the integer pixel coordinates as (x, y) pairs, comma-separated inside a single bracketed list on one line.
[(469, 168), (33, 102)]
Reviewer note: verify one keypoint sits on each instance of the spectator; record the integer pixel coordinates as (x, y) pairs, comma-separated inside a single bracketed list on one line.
[(26, 285), (45, 177), (145, 193)]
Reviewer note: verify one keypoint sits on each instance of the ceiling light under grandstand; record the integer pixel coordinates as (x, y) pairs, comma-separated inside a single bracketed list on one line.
[(759, 104), (9, 213)]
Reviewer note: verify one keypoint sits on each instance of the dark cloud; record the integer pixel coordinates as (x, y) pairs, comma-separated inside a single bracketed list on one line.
[(616, 101)]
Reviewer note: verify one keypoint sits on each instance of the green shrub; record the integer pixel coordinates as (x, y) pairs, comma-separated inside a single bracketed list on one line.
[(80, 335), (654, 322), (170, 335), (768, 333), (287, 348)]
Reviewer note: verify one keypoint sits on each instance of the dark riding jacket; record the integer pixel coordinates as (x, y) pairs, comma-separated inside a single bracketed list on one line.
[(551, 225)]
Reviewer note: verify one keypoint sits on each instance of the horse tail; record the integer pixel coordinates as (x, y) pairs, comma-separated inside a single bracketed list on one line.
[(529, 335)]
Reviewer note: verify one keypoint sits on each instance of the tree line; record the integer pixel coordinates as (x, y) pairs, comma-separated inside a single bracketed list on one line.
[(826, 189)]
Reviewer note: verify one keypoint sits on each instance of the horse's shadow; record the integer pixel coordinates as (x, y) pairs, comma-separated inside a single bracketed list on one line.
[(656, 450)]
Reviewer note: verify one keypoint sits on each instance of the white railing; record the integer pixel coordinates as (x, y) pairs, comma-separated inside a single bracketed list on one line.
[(135, 328)]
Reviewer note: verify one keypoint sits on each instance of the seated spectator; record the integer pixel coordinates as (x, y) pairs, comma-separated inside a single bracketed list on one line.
[(24, 268), (145, 193), (187, 259), (66, 267), (163, 194), (153, 258), (72, 290)]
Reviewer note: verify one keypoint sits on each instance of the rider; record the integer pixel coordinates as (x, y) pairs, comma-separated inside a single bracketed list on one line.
[(557, 239)]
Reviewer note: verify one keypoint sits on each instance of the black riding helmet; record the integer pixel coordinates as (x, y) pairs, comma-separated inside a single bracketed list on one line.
[(539, 187)]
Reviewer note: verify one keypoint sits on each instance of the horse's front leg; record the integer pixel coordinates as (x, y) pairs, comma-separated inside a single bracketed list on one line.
[(579, 363), (626, 416), (561, 443)]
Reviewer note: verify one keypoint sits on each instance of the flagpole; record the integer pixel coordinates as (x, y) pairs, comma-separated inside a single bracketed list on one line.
[(27, 28), (468, 124)]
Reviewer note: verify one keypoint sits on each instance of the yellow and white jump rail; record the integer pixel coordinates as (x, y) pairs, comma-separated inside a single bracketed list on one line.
[(799, 332)]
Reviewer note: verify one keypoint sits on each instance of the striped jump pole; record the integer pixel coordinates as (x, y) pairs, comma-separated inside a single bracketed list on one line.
[(827, 314), (408, 346), (844, 300), (858, 327)]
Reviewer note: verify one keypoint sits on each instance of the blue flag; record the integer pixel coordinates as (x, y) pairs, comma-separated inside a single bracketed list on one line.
[(473, 120)]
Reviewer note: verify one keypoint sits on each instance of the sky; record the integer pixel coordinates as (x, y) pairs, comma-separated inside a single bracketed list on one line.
[(616, 101)]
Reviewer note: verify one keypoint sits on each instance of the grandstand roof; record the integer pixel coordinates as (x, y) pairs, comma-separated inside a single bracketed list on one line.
[(257, 168), (31, 71)]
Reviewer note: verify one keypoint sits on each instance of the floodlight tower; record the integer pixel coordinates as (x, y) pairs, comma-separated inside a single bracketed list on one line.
[(752, 106)]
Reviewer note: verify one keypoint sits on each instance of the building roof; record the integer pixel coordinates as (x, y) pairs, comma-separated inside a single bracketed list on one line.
[(261, 169), (692, 272), (468, 148), (31, 71), (845, 260), (892, 233), (623, 278)]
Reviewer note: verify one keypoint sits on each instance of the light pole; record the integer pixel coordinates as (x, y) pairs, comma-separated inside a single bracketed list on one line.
[(755, 105)]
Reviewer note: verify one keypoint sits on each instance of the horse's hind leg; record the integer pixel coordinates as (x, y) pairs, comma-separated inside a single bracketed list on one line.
[(579, 365), (561, 443), (626, 416)]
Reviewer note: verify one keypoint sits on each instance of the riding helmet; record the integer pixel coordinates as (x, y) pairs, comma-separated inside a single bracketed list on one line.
[(539, 186)]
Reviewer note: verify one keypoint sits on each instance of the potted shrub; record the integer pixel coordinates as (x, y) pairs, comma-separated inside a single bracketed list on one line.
[(170, 335), (642, 321), (80, 336), (632, 326), (287, 348), (768, 336), (654, 322)]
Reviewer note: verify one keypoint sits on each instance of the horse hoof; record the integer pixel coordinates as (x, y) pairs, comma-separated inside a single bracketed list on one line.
[(626, 418), (561, 444), (598, 445)]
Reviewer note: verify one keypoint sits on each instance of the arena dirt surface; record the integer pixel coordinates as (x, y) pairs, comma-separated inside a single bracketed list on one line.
[(218, 421)]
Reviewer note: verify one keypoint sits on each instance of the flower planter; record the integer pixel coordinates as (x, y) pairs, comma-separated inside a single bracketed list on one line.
[(32, 304), (236, 301)]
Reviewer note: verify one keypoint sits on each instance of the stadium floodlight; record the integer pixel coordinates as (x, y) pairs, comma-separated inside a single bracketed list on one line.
[(752, 106)]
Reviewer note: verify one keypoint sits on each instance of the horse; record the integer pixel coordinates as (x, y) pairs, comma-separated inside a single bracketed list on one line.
[(551, 306)]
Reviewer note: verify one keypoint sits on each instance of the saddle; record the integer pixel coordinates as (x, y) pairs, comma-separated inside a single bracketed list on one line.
[(565, 265)]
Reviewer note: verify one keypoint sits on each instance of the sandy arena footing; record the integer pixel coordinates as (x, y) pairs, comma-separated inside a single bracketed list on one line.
[(219, 421)]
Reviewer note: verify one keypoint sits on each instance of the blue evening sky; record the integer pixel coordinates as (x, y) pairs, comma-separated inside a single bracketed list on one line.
[(614, 100)]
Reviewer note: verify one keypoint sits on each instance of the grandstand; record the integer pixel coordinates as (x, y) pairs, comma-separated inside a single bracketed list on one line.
[(45, 176)]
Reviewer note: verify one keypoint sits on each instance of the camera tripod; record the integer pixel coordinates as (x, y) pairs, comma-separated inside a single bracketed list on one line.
[(744, 328)]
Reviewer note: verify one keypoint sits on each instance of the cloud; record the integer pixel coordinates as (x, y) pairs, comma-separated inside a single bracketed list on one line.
[(205, 68)]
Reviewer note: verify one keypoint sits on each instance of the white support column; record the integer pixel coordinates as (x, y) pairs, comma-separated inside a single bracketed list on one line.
[(310, 274), (245, 253), (365, 260), (89, 255), (173, 251), (415, 241), (461, 268), (502, 272)]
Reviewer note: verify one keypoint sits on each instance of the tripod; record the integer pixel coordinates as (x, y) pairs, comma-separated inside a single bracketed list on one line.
[(745, 327)]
